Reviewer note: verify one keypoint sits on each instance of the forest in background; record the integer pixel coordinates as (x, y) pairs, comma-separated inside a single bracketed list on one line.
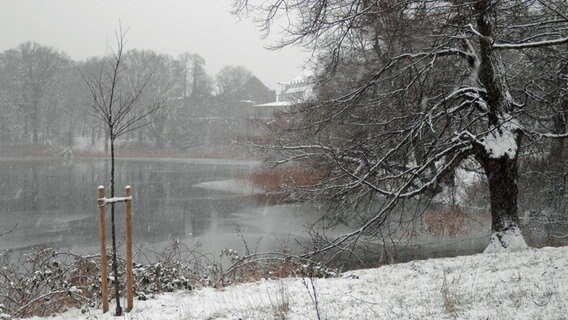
[(44, 101)]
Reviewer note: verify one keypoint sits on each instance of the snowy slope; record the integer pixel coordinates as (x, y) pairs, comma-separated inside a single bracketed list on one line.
[(527, 284)]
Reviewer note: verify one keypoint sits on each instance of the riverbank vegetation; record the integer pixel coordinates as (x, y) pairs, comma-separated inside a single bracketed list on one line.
[(526, 284), (45, 281), (406, 94)]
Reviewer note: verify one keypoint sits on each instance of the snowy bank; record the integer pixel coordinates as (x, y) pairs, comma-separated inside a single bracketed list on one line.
[(528, 284)]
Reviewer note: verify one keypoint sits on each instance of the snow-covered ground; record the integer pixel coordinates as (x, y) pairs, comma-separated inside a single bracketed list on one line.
[(526, 284)]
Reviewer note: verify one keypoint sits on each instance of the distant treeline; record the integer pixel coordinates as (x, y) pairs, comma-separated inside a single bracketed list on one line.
[(44, 100)]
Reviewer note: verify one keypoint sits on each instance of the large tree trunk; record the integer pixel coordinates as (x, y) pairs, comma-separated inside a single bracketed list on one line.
[(502, 175), (500, 167)]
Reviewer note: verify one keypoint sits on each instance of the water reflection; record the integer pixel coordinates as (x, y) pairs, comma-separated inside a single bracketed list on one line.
[(53, 202)]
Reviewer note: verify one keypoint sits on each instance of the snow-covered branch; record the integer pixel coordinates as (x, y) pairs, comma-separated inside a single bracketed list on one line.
[(526, 45)]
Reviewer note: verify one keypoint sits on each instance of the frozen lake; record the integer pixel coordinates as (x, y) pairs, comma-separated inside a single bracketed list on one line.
[(204, 203), (52, 202)]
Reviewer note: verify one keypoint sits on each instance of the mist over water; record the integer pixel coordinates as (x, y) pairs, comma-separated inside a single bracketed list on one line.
[(52, 202)]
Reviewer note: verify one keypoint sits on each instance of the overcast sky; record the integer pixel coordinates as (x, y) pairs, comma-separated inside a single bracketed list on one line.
[(85, 28)]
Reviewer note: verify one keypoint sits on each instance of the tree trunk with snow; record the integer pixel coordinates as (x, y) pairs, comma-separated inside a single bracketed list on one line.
[(502, 179), (393, 114), (498, 156)]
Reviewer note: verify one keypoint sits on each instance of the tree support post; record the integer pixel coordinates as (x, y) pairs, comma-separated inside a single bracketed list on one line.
[(102, 201), (102, 245), (128, 231)]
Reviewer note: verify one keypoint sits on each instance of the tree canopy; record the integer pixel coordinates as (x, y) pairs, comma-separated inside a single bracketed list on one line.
[(408, 91)]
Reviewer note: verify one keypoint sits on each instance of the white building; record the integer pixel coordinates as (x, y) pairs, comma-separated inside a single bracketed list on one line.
[(293, 92)]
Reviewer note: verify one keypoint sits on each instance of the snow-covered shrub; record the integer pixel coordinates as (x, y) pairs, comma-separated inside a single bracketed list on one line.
[(3, 315), (275, 265), (41, 282), (159, 277), (46, 281), (176, 267)]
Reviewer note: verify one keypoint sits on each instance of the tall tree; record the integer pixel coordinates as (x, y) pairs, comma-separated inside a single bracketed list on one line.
[(436, 89), (230, 81), (196, 82), (190, 120), (164, 83), (33, 67), (9, 117), (230, 100)]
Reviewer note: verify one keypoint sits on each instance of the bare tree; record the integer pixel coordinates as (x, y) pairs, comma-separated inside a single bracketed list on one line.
[(164, 83), (32, 69), (432, 85), (189, 122), (230, 80), (116, 103)]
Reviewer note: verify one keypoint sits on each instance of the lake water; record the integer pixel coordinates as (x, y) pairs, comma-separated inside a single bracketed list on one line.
[(52, 202), (205, 203)]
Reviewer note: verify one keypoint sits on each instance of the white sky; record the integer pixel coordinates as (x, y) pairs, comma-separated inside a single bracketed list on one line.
[(85, 28)]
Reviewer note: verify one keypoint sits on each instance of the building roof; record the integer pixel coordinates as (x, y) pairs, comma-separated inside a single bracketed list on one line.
[(256, 92), (254, 82)]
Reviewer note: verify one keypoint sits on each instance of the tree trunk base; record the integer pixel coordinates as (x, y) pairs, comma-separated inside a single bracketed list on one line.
[(510, 239)]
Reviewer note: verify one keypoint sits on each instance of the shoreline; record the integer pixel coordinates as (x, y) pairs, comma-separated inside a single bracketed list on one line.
[(221, 157)]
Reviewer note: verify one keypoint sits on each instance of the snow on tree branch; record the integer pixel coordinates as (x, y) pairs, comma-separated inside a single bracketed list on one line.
[(526, 45)]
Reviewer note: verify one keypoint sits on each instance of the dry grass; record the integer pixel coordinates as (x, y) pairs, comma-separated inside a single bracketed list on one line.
[(281, 305), (251, 270), (276, 265), (275, 179), (449, 302), (448, 222)]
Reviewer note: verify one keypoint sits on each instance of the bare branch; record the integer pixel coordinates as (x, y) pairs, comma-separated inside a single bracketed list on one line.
[(536, 44), (9, 231)]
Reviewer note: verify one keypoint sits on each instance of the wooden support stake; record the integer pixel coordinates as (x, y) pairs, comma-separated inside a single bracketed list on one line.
[(128, 229), (102, 243)]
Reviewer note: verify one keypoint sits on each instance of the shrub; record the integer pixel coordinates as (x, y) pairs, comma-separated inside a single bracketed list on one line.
[(277, 179), (45, 281), (449, 222)]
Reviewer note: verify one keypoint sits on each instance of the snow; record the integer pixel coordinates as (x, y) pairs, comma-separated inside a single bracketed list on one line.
[(530, 44), (115, 199), (274, 104), (305, 76), (511, 239), (502, 141), (526, 284), (499, 144), (233, 186), (2, 314)]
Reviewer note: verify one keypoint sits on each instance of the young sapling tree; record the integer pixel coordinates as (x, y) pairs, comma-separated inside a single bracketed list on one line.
[(116, 102)]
